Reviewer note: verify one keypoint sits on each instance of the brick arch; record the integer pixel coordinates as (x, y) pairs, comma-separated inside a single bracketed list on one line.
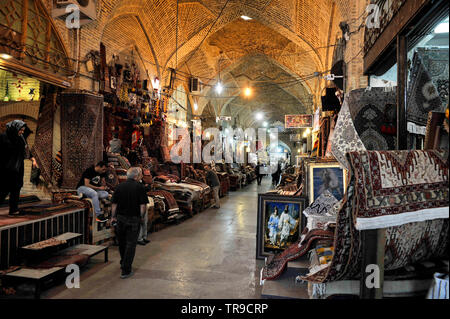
[(28, 109), (125, 31)]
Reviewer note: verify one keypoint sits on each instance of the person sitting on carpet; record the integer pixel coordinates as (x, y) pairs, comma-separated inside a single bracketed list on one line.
[(14, 149), (115, 144), (91, 185)]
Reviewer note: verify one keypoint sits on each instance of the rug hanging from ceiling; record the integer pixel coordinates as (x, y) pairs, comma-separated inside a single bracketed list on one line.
[(43, 143), (345, 138), (374, 113), (82, 133), (423, 96), (405, 243)]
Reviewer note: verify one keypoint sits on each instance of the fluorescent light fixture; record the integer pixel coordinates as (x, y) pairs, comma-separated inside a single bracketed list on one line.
[(246, 18), (219, 87), (442, 28), (5, 56)]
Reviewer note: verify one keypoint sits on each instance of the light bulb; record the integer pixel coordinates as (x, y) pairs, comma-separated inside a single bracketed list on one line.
[(195, 106), (259, 116), (265, 124), (247, 91), (219, 88)]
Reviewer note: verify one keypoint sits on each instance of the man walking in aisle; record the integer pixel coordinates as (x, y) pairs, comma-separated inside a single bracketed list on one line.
[(213, 181), (128, 210)]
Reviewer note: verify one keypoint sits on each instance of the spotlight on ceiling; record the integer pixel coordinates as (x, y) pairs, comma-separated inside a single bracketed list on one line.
[(5, 56), (219, 87), (246, 18), (259, 116), (247, 91)]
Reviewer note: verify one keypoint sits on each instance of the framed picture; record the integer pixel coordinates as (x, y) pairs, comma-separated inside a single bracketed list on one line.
[(329, 176), (280, 222)]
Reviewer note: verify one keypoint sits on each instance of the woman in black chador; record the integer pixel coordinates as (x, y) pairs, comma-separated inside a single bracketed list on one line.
[(13, 151)]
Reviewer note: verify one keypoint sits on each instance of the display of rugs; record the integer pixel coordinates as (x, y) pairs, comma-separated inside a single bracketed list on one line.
[(345, 138), (423, 96), (82, 133), (275, 266), (373, 110), (405, 244)]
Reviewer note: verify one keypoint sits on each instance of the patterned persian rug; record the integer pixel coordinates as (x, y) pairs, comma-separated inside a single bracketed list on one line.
[(371, 111), (423, 96), (402, 188), (44, 137), (345, 138), (82, 133)]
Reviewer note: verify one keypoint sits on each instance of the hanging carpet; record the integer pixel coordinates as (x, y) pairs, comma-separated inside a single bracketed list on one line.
[(423, 96), (374, 113), (82, 133), (43, 143)]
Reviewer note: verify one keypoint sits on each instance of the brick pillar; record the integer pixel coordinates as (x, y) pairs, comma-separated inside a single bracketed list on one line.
[(81, 134)]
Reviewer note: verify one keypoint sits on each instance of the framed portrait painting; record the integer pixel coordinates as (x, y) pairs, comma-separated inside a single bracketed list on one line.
[(280, 222), (329, 176)]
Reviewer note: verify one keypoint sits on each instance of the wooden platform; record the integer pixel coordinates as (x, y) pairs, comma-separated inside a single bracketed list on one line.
[(20, 231), (38, 276)]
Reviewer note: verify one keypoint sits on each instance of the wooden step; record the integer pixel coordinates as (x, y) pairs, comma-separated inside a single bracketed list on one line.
[(63, 237)]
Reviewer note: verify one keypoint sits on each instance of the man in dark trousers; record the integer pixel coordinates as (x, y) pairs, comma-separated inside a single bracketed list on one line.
[(213, 181), (13, 150), (258, 172), (128, 210)]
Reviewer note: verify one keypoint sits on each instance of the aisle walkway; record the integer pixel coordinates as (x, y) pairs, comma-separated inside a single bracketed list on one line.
[(211, 255)]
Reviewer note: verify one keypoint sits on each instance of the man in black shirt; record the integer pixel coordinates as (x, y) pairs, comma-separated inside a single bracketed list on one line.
[(213, 181), (91, 185), (128, 209)]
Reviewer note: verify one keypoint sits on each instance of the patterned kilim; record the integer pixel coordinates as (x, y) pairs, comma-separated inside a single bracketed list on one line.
[(82, 133), (371, 110), (406, 243), (43, 143), (345, 138), (397, 187), (170, 200)]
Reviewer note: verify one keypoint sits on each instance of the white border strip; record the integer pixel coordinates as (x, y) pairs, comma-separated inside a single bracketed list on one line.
[(400, 219)]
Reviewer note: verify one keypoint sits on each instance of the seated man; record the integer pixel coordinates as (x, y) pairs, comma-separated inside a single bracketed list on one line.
[(115, 145), (92, 186)]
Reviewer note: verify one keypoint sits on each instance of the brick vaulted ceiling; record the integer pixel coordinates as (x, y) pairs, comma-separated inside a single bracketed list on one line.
[(286, 40)]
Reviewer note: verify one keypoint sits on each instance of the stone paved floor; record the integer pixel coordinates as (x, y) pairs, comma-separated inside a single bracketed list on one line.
[(211, 255)]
